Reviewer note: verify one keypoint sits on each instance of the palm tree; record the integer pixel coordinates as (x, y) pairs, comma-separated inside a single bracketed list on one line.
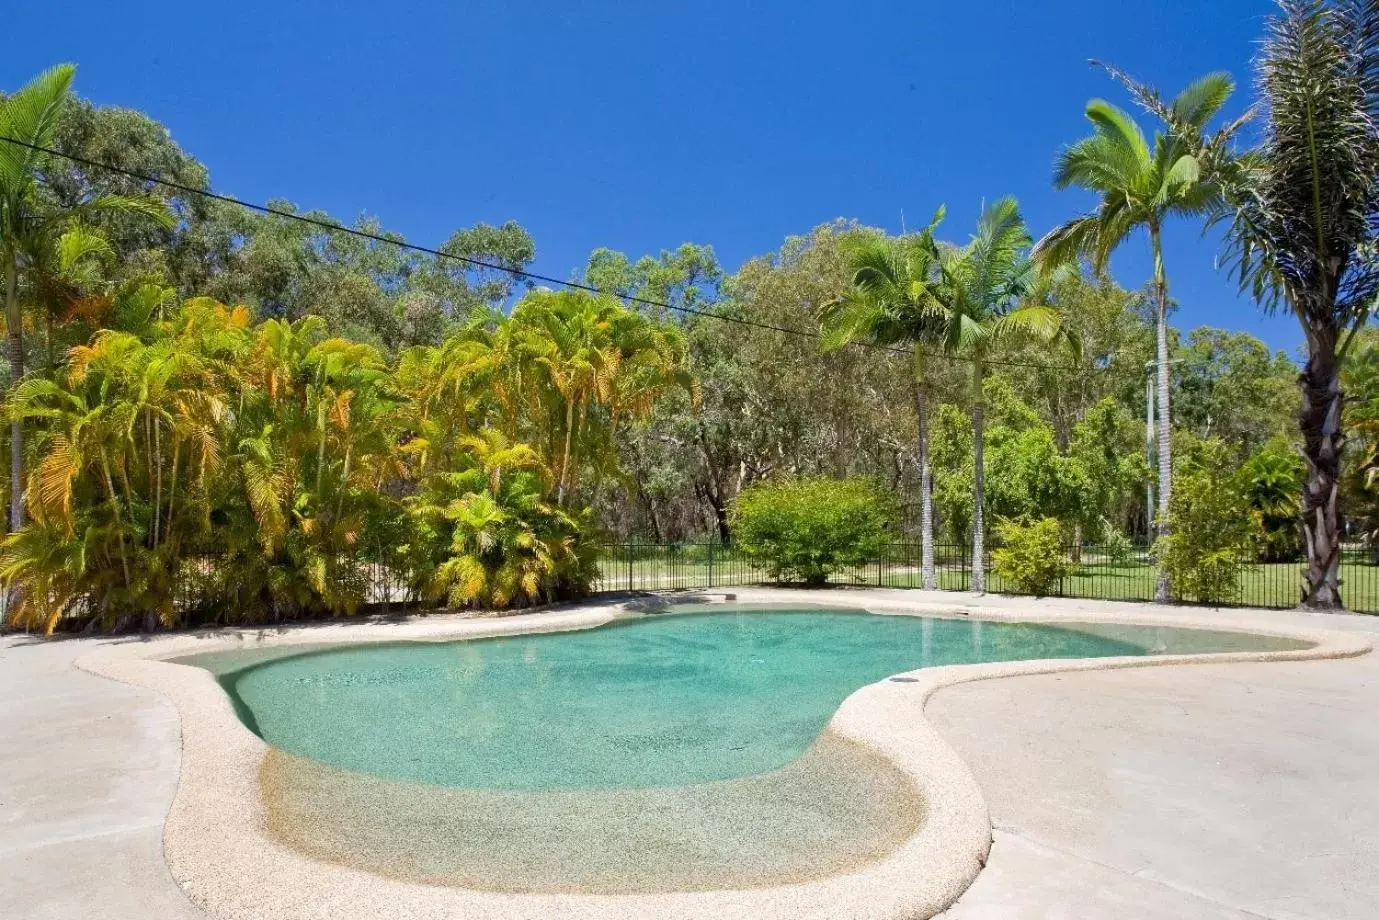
[(565, 336), (586, 364), (29, 229), (894, 301), (1140, 187), (989, 294), (1303, 225)]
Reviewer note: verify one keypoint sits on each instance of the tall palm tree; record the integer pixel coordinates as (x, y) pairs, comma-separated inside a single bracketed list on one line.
[(29, 227), (988, 292), (1303, 227), (1140, 187), (894, 301)]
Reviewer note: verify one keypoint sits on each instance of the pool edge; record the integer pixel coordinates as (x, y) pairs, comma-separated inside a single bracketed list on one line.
[(218, 849)]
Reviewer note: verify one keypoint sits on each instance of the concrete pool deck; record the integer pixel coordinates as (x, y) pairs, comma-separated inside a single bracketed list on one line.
[(1083, 827)]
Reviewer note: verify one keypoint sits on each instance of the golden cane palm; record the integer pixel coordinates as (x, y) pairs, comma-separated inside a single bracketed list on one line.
[(1142, 186), (581, 366), (510, 549), (287, 455), (30, 230)]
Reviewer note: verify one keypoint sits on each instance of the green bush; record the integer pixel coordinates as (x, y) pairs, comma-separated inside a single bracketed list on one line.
[(1272, 480), (1031, 555), (1116, 545), (804, 529), (1211, 528)]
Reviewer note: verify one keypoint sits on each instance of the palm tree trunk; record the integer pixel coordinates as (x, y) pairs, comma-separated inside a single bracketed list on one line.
[(172, 481), (321, 445), (565, 455), (1323, 440), (1162, 589), (157, 482), (926, 498), (345, 483), (115, 507), (978, 481), (14, 320)]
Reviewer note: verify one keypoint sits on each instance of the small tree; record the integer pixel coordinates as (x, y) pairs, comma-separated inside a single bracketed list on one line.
[(805, 529), (1212, 531), (1031, 555)]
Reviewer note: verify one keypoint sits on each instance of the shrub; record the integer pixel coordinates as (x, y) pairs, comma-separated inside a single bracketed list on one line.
[(1118, 547), (1272, 480), (1211, 528), (804, 529), (1031, 555)]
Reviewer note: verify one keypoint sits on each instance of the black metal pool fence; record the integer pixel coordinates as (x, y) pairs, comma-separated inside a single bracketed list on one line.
[(1097, 573), (207, 592)]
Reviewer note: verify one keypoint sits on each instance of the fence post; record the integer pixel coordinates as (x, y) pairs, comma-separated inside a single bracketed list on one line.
[(711, 563), (629, 563), (378, 570)]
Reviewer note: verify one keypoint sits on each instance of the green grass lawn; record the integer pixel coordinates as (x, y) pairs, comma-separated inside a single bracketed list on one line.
[(1264, 585)]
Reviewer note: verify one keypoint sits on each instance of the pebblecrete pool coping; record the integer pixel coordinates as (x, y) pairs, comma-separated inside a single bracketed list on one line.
[(219, 850)]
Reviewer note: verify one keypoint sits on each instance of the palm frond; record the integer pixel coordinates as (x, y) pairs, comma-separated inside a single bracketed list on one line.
[(1303, 208), (1201, 100), (31, 115), (1118, 130)]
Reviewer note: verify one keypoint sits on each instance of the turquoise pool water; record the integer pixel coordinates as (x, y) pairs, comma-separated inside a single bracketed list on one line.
[(659, 701)]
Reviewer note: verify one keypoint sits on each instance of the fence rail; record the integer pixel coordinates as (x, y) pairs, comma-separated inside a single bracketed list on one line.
[(1099, 573)]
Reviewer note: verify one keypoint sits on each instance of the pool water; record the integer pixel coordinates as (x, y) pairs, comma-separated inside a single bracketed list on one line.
[(657, 701)]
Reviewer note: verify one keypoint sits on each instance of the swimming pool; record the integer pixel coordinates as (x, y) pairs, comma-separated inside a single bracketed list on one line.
[(653, 701), (659, 761)]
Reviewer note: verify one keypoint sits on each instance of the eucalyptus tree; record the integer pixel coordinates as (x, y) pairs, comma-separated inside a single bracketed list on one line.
[(894, 301), (991, 292), (1141, 187), (30, 226), (1302, 211)]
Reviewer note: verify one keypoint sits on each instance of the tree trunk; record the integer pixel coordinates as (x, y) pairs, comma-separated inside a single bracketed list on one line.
[(14, 319), (926, 499), (713, 486), (321, 444), (172, 481), (157, 482), (1162, 589), (651, 517), (713, 497), (1322, 441), (978, 481), (115, 508), (565, 454)]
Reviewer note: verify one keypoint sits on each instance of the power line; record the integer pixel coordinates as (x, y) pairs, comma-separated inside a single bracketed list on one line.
[(492, 266)]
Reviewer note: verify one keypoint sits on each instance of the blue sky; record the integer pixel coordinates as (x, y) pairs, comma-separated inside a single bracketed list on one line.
[(643, 125)]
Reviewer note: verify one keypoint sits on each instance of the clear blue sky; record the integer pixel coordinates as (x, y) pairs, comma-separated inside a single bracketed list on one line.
[(643, 125)]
